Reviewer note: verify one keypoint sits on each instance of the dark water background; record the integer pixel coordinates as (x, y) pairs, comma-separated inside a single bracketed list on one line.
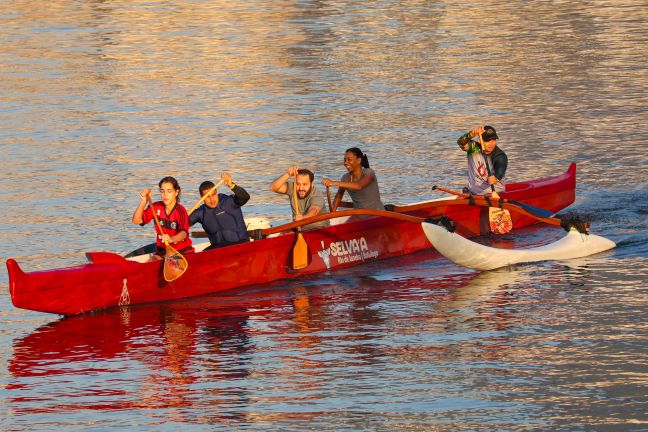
[(101, 99)]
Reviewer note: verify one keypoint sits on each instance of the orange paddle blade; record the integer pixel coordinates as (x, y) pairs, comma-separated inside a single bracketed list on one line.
[(300, 253), (175, 264), (499, 219)]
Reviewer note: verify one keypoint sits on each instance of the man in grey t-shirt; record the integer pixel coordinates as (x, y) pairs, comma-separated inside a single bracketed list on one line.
[(310, 200), (487, 163)]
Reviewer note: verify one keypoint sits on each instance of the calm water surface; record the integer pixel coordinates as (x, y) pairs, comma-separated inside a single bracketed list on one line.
[(102, 99)]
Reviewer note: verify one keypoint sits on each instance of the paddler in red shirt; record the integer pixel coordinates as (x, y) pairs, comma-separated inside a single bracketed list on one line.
[(172, 215)]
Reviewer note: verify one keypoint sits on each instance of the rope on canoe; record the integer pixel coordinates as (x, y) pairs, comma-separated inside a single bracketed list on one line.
[(124, 299)]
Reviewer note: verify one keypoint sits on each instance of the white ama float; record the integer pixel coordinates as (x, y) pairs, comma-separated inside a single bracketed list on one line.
[(476, 256)]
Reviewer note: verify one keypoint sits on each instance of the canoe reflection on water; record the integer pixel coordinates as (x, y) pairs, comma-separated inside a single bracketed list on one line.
[(202, 350), (126, 360)]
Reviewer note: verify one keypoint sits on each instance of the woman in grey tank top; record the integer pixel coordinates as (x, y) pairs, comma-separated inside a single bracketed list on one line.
[(360, 181)]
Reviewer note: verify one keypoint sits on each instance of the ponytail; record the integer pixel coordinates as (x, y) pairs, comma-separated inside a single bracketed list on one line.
[(356, 151)]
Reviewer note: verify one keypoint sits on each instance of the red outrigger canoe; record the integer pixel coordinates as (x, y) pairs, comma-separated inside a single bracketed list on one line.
[(110, 280)]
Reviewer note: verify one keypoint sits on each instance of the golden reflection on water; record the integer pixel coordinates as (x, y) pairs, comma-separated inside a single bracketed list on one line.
[(117, 91), (102, 99)]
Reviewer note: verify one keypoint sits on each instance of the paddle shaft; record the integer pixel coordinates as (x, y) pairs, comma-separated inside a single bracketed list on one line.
[(505, 204), (175, 266), (157, 221), (341, 213), (481, 145), (295, 200), (205, 195), (328, 197)]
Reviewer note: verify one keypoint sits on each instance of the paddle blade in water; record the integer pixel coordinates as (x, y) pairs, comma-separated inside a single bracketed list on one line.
[(300, 253), (175, 264)]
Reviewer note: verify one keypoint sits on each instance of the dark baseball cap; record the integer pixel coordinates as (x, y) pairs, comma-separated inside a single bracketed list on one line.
[(489, 133)]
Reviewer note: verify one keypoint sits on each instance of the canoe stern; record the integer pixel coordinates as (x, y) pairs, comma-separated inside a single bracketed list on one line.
[(16, 274)]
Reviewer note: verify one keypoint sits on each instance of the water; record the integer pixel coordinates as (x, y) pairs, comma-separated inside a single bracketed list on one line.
[(102, 99)]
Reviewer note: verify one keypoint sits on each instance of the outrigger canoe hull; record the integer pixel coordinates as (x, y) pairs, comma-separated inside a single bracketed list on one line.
[(109, 280)]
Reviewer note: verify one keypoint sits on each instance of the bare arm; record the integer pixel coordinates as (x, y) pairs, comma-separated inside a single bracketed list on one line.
[(338, 198), (464, 140), (175, 238), (353, 185), (312, 211), (139, 211), (279, 185)]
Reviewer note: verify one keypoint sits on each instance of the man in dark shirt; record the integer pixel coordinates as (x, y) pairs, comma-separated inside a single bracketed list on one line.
[(221, 215)]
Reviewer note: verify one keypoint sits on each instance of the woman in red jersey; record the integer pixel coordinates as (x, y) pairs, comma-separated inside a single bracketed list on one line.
[(173, 217)]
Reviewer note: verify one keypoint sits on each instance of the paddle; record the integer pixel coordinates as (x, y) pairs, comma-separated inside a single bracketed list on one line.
[(328, 197), (535, 211), (150, 248), (175, 264), (300, 252), (477, 200), (499, 219), (345, 204), (205, 195)]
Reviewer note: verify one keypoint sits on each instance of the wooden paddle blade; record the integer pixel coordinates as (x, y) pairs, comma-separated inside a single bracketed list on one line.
[(175, 264), (499, 220), (300, 253)]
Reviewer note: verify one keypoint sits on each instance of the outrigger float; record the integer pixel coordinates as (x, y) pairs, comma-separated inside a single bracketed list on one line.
[(110, 280)]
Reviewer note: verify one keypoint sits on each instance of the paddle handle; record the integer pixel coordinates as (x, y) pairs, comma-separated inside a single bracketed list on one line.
[(494, 194), (205, 195), (328, 197), (295, 201), (157, 221), (481, 145)]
